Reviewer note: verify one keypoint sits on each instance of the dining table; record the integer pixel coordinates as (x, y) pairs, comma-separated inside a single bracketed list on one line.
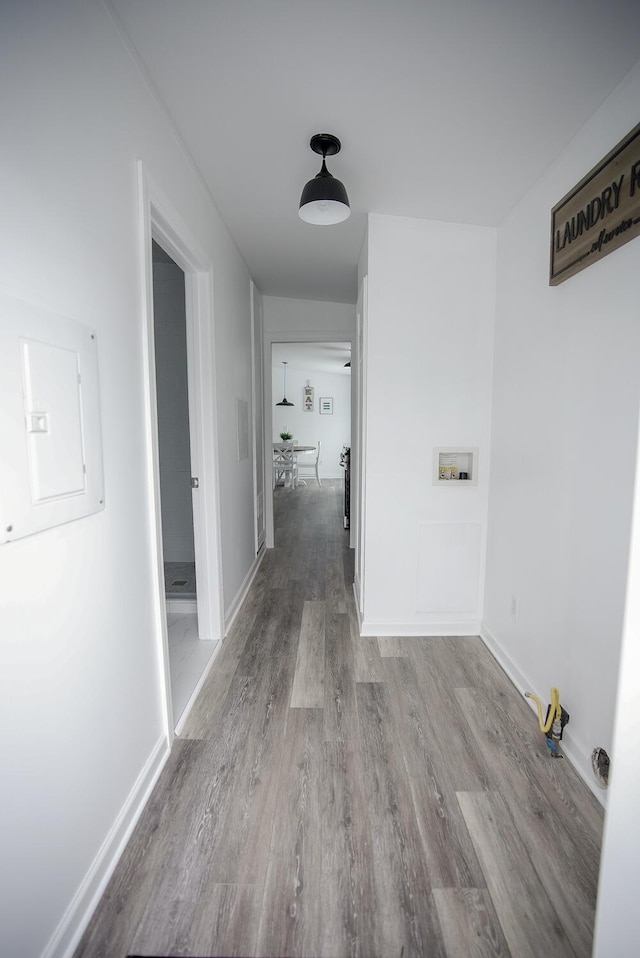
[(277, 446), (281, 447)]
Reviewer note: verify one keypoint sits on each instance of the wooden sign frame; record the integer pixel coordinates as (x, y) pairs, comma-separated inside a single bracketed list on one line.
[(600, 214), (307, 398)]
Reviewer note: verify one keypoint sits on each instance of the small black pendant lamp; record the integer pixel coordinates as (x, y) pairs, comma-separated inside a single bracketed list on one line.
[(324, 200), (285, 401)]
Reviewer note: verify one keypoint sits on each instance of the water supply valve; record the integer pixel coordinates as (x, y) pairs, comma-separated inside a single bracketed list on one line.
[(555, 720)]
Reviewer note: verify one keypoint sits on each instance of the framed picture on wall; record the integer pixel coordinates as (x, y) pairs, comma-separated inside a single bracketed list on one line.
[(326, 406), (307, 399)]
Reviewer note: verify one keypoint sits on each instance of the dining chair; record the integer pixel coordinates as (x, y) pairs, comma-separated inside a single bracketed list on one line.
[(285, 466), (309, 465)]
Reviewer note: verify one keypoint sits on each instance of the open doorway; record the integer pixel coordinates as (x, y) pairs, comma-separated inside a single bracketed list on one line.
[(161, 223), (314, 376), (189, 651)]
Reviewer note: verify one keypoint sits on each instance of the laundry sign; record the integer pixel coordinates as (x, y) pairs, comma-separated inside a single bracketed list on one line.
[(600, 214)]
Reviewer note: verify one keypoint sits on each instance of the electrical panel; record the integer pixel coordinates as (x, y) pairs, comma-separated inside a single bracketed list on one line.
[(51, 468)]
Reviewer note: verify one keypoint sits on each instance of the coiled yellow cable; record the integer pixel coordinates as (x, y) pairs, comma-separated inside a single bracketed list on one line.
[(555, 712)]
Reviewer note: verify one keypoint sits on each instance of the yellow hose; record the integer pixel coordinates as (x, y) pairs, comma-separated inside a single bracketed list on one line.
[(554, 712)]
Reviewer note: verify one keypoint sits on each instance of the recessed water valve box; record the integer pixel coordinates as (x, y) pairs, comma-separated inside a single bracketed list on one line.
[(51, 466), (455, 466)]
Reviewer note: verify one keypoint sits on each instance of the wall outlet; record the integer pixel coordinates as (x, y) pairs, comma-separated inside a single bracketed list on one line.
[(515, 607)]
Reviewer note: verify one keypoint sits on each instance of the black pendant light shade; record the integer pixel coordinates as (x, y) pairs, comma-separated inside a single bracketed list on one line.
[(285, 401), (324, 200)]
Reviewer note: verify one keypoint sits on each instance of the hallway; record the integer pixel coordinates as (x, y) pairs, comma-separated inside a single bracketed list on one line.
[(332, 795)]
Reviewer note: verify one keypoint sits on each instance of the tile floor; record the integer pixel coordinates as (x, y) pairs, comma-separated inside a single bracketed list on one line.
[(188, 656)]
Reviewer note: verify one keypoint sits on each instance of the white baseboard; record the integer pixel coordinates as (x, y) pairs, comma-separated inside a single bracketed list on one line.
[(580, 758), (73, 923), (371, 627), (505, 660), (241, 594), (573, 751), (181, 605)]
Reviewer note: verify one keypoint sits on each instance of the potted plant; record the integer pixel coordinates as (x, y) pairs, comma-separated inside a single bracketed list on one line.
[(286, 436)]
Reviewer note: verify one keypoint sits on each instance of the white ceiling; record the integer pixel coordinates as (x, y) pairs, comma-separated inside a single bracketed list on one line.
[(447, 109)]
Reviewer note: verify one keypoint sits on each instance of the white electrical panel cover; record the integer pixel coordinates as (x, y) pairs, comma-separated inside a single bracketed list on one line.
[(51, 461)]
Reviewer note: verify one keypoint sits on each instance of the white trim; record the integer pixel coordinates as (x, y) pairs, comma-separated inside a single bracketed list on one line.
[(357, 536), (73, 923), (505, 661), (181, 605), (296, 336), (257, 400), (195, 382), (417, 629), (572, 750), (151, 452), (241, 594)]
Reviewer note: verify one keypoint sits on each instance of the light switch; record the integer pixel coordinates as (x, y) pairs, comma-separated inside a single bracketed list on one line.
[(51, 381)]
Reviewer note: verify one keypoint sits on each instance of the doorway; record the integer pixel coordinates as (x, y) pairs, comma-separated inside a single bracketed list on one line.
[(189, 653), (182, 676), (320, 387)]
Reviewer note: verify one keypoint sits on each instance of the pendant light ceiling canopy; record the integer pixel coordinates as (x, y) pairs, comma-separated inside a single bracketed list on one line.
[(324, 200), (285, 401)]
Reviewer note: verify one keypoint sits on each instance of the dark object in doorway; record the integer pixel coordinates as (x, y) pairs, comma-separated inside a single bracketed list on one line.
[(179, 582), (600, 763)]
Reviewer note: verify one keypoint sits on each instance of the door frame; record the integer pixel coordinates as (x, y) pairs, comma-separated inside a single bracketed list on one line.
[(257, 380), (358, 461), (302, 336), (159, 221)]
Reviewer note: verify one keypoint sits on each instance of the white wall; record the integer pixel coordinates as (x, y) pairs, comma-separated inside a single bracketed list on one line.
[(566, 391), (296, 315), (79, 655), (429, 348), (170, 338), (333, 431)]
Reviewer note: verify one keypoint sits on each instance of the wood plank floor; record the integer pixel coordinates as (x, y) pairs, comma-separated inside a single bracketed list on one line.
[(332, 795)]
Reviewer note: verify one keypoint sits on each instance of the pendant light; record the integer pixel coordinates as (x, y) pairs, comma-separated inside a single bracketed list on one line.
[(285, 401), (324, 200)]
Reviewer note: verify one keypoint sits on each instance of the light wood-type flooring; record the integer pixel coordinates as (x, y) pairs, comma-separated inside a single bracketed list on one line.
[(333, 795)]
